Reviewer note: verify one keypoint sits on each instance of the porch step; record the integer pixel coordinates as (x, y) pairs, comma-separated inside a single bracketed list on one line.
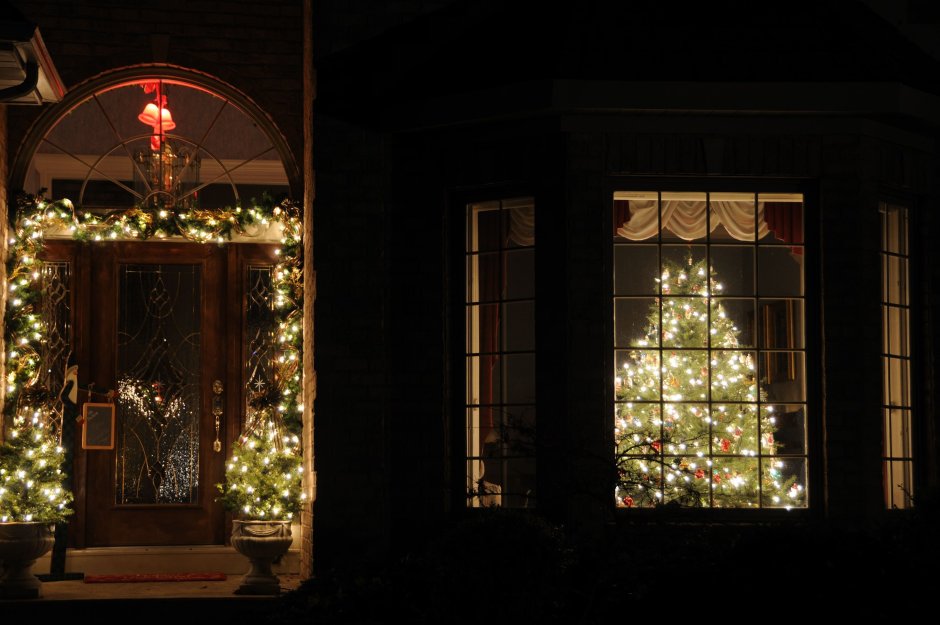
[(231, 610), (181, 559)]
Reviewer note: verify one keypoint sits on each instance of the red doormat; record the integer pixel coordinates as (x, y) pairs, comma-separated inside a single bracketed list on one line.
[(155, 577)]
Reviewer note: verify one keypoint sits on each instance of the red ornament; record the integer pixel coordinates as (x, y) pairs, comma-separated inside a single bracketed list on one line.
[(717, 479), (628, 502), (699, 474), (657, 445), (725, 444)]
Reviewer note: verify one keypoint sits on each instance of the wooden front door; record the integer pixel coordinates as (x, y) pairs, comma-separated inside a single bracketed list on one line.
[(162, 326)]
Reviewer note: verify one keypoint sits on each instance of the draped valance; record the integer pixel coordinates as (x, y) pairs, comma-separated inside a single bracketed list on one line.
[(639, 220)]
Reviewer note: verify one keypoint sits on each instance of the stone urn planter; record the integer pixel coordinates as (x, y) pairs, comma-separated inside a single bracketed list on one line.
[(262, 542), (20, 545)]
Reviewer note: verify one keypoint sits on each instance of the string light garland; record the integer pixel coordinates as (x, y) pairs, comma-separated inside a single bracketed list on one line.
[(691, 426), (30, 459)]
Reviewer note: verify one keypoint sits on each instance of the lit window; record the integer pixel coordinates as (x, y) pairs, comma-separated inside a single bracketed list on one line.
[(710, 393), (896, 358), (500, 349)]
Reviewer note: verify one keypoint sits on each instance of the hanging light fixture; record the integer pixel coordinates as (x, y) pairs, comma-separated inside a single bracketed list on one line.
[(164, 167), (157, 117)]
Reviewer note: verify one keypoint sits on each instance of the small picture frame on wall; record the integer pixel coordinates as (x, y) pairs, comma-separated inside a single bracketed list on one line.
[(98, 426)]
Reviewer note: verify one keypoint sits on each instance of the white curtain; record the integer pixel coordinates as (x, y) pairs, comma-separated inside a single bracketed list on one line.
[(522, 225), (687, 219)]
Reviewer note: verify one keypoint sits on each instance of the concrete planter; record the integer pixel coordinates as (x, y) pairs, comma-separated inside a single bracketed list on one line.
[(20, 545), (262, 542)]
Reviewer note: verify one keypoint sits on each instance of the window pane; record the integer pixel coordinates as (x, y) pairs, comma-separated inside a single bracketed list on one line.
[(898, 433), (780, 323), (732, 323), (518, 322), (780, 272), (520, 274), (898, 386), (781, 375), (896, 333), (895, 230), (638, 373), (732, 217), (732, 374), (685, 322), (636, 216), (634, 269), (782, 220), (896, 276), (684, 217), (685, 429), (782, 483), (483, 232), (637, 426), (735, 265), (483, 277), (636, 322), (683, 270), (899, 484), (734, 429), (640, 482), (735, 482), (783, 429), (519, 223), (519, 372), (685, 375)]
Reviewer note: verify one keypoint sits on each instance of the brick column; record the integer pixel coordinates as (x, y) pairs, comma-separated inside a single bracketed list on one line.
[(4, 212), (310, 292)]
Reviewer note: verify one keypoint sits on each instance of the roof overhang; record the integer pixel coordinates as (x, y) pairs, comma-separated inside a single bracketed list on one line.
[(27, 74)]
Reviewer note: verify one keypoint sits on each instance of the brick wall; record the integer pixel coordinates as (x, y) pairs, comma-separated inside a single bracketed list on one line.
[(351, 508)]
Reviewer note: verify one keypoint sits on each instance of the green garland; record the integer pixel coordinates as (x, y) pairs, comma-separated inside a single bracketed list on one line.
[(32, 408)]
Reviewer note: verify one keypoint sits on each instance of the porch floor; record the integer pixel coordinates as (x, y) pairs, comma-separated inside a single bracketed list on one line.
[(184, 602)]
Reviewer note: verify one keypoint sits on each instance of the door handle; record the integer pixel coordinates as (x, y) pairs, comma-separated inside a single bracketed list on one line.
[(217, 411)]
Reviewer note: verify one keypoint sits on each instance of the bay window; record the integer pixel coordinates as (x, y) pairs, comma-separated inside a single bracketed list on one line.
[(710, 403)]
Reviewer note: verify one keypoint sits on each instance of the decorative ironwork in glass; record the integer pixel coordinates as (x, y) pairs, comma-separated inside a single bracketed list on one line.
[(158, 373), (56, 316), (260, 344)]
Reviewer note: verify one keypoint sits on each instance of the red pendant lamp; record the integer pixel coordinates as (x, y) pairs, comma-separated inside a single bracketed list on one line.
[(157, 115)]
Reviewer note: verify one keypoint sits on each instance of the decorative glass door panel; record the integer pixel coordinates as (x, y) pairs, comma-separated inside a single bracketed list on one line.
[(161, 325), (157, 339), (159, 384)]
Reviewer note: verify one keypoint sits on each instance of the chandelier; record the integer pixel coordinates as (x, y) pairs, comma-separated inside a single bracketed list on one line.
[(165, 174)]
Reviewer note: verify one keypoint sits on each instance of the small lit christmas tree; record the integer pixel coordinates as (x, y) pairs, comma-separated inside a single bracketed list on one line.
[(31, 476), (689, 430), (264, 473)]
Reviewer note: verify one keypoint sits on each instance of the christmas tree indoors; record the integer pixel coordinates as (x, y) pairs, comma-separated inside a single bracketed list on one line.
[(691, 428)]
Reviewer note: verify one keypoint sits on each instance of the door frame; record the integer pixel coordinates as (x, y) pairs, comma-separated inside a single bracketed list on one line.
[(234, 263)]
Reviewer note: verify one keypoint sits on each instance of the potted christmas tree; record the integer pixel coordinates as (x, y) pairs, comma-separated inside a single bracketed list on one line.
[(263, 490), (32, 500), (33, 485)]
